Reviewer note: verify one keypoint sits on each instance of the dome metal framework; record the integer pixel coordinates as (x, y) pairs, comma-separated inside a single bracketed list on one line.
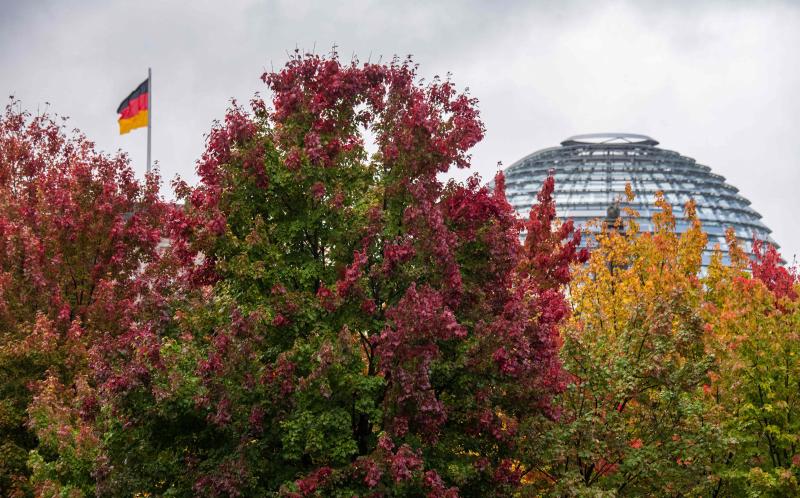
[(591, 172)]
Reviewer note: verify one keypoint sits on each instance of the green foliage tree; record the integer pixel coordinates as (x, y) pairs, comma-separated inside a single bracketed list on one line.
[(347, 324), (752, 323)]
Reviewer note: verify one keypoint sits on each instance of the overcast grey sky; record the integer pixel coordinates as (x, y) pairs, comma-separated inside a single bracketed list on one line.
[(717, 81)]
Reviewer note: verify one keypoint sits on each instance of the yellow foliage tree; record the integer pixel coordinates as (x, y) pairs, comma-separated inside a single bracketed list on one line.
[(632, 420)]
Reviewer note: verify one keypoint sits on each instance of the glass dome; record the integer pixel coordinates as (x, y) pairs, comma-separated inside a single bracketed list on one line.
[(591, 172)]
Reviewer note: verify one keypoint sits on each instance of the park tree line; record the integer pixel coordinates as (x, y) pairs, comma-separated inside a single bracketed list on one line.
[(332, 318)]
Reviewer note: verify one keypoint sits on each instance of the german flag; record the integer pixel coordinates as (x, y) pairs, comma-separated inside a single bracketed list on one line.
[(133, 110)]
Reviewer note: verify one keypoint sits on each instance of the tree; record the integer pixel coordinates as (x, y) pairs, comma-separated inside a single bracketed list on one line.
[(75, 229), (752, 323), (632, 418), (348, 324)]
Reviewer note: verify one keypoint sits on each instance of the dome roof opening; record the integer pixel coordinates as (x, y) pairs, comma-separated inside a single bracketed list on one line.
[(610, 138)]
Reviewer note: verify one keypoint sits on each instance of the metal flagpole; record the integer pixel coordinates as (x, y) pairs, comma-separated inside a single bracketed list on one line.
[(149, 114)]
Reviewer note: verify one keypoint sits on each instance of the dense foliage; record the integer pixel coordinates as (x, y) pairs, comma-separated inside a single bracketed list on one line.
[(76, 228), (634, 347), (682, 382), (351, 325), (331, 318), (753, 328)]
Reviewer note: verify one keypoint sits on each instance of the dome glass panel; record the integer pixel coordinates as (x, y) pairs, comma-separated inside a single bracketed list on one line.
[(591, 172)]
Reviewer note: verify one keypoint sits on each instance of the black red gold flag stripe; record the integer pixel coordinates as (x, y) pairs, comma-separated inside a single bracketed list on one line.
[(133, 110)]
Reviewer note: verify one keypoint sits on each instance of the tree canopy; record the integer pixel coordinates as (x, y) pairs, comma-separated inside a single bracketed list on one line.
[(324, 314)]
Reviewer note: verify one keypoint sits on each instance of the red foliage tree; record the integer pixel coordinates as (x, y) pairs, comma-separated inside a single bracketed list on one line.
[(76, 228), (768, 267), (350, 322)]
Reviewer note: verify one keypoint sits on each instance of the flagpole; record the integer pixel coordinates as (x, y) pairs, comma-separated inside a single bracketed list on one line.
[(149, 114)]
